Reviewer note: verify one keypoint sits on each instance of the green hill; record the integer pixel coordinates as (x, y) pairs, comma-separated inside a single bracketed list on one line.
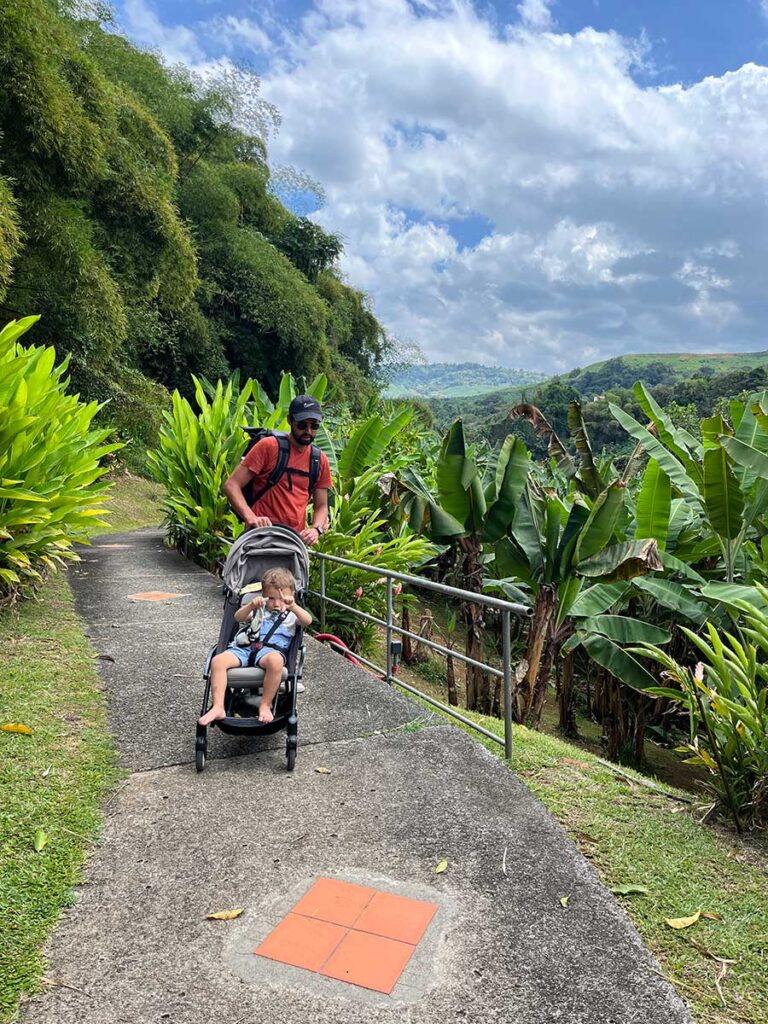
[(457, 380), (658, 368)]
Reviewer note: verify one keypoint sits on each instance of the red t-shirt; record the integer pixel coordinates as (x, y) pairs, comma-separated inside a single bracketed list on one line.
[(286, 502)]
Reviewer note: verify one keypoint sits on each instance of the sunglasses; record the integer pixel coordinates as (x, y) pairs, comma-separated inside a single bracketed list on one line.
[(308, 425)]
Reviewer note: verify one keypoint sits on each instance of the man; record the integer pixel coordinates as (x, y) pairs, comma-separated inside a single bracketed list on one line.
[(286, 502)]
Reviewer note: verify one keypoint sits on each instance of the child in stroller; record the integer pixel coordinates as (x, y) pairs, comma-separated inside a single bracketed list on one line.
[(265, 644), (243, 677)]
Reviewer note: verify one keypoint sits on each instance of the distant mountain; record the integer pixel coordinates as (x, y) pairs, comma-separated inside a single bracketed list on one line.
[(458, 380), (657, 368)]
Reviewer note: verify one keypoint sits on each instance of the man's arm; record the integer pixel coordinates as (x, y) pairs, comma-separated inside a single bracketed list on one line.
[(319, 516), (233, 488)]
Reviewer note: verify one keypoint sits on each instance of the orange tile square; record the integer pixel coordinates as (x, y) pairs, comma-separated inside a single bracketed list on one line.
[(369, 961), (396, 917), (302, 942), (334, 901)]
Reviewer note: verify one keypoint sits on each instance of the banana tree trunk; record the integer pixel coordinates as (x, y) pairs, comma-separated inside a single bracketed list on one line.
[(450, 678), (531, 689), (479, 693), (565, 696)]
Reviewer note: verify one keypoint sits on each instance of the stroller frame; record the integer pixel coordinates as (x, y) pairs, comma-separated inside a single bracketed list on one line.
[(251, 554)]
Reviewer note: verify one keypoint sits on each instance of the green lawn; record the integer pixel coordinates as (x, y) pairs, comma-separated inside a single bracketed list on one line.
[(53, 783)]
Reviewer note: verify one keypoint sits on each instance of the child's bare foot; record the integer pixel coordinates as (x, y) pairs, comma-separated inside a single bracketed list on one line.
[(214, 715), (265, 714)]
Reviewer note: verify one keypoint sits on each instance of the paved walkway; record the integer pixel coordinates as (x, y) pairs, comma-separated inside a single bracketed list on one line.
[(399, 792)]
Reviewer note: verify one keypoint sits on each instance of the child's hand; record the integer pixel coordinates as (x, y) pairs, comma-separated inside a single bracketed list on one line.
[(288, 599), (257, 602)]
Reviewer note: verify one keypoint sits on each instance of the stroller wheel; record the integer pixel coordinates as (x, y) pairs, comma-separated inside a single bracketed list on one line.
[(199, 760), (290, 757), (201, 746)]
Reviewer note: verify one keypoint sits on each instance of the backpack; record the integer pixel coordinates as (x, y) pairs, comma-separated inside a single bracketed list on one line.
[(255, 434)]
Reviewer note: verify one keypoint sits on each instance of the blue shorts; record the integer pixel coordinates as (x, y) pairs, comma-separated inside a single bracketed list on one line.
[(244, 653)]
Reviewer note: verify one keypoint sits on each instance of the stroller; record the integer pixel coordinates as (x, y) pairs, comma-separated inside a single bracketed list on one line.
[(250, 556)]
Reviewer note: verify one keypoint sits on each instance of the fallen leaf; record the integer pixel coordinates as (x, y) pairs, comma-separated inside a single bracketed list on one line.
[(41, 839), (627, 890), (106, 657), (323, 771), (47, 771), (16, 727), (585, 837), (574, 762), (683, 922), (225, 915), (564, 900), (441, 867), (711, 916)]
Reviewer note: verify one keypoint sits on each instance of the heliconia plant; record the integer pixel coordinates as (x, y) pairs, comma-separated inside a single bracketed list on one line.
[(52, 490)]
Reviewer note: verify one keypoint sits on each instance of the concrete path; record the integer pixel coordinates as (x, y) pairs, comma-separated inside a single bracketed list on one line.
[(402, 791)]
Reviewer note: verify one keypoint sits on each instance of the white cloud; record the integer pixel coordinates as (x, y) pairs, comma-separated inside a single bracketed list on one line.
[(626, 217), (535, 14), (178, 44)]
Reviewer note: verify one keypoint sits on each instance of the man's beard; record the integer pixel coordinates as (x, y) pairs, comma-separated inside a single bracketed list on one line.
[(305, 440)]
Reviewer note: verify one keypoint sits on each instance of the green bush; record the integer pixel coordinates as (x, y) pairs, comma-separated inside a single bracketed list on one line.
[(51, 491), (197, 453), (359, 533), (726, 701)]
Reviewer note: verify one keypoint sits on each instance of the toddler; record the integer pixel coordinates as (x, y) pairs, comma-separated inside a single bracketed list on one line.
[(277, 598)]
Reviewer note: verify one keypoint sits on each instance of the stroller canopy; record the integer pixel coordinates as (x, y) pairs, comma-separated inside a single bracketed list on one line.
[(257, 550)]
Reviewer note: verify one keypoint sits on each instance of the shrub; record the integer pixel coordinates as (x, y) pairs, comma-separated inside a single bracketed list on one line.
[(726, 700), (51, 491), (196, 455), (358, 533)]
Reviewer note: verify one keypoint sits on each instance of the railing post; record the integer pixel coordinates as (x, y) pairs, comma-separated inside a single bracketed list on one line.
[(390, 612), (322, 595), (506, 655)]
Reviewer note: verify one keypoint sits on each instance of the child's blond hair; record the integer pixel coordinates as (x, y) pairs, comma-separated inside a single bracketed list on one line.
[(278, 579)]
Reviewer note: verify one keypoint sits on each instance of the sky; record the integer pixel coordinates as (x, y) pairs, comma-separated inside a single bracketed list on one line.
[(532, 183)]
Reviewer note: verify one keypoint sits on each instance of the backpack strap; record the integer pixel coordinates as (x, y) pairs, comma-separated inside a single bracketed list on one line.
[(314, 469), (283, 453)]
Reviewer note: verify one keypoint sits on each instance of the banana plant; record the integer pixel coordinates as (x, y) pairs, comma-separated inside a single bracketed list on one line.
[(469, 509), (719, 482)]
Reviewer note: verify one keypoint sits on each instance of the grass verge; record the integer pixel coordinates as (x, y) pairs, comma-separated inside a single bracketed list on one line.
[(637, 837), (53, 783)]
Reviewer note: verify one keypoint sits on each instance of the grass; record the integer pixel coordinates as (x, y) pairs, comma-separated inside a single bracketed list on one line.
[(53, 783), (635, 836)]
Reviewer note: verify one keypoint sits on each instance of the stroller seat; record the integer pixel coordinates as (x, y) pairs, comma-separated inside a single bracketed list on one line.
[(246, 678)]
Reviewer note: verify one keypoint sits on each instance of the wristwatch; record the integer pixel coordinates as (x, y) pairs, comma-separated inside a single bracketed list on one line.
[(321, 530)]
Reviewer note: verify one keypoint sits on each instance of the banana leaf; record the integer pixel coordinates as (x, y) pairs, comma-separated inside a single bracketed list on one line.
[(458, 483), (723, 498), (625, 630), (654, 503), (622, 561), (656, 450), (577, 517), (511, 474), (544, 428), (618, 662), (598, 598), (673, 596), (599, 527), (727, 593), (588, 471)]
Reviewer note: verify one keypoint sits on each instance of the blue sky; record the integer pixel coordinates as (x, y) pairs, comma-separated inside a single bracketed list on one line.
[(538, 182)]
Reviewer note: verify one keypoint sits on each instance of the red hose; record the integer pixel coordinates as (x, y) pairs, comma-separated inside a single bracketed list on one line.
[(346, 651)]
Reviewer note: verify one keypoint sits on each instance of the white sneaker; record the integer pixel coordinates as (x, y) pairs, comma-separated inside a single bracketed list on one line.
[(300, 687)]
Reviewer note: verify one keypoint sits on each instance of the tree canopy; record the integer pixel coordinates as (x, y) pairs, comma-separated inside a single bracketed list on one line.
[(137, 216)]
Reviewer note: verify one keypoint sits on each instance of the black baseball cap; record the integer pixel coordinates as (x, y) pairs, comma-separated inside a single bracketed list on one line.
[(304, 407)]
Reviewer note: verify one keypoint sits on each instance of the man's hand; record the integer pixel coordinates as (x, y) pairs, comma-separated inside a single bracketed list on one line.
[(310, 536), (253, 521)]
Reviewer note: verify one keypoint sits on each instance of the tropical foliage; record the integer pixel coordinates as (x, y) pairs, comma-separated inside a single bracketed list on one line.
[(726, 698), (51, 463)]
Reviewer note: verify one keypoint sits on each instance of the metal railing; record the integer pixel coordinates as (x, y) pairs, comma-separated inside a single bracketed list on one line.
[(506, 608)]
